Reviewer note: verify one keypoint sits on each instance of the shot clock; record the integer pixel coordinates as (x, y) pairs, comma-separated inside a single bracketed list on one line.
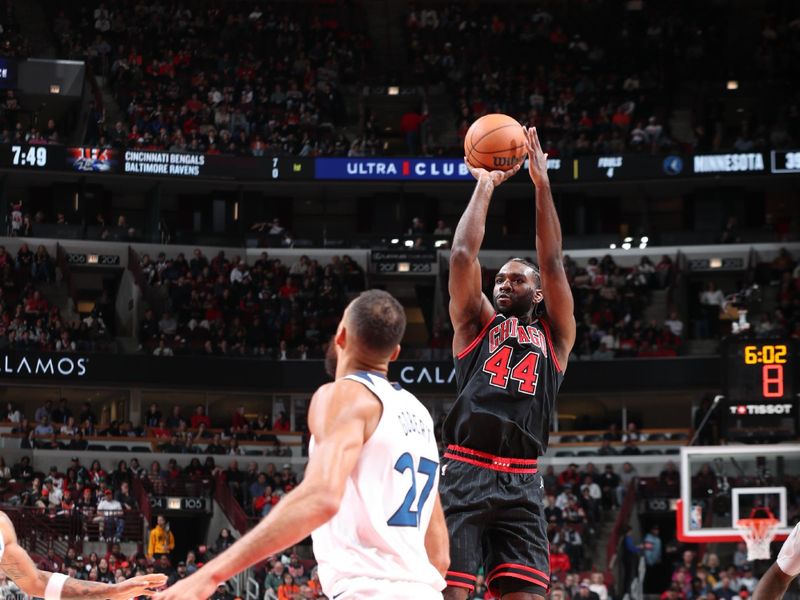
[(759, 387)]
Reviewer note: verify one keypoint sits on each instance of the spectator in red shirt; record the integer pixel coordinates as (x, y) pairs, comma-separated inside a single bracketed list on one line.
[(264, 503), (282, 423), (161, 431), (200, 416), (569, 477), (411, 126), (289, 289), (239, 420), (621, 119), (35, 305), (559, 560)]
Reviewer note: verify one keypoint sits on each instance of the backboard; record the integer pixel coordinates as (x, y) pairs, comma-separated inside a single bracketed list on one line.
[(722, 484)]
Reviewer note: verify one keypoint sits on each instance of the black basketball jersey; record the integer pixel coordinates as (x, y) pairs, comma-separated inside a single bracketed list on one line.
[(507, 381)]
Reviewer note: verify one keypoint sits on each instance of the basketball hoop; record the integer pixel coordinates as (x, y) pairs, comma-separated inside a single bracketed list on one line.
[(758, 533)]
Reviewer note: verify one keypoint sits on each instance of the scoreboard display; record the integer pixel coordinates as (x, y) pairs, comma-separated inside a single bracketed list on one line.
[(153, 163), (759, 386), (138, 162)]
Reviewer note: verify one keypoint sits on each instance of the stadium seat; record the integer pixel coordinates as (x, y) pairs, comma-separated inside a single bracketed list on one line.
[(96, 447)]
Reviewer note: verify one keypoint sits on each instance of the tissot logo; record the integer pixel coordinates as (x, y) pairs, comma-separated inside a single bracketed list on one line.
[(761, 409), (66, 366), (417, 375)]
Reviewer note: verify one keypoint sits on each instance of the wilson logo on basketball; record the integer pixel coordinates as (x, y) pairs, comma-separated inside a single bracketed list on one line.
[(505, 161)]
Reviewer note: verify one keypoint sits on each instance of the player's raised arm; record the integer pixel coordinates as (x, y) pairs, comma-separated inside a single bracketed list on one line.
[(339, 417), (555, 287), (470, 310), (437, 542), (34, 582)]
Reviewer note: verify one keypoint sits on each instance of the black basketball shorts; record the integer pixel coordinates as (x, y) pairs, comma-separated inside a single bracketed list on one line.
[(495, 517)]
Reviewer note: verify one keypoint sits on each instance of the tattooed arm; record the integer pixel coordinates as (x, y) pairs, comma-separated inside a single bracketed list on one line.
[(20, 569)]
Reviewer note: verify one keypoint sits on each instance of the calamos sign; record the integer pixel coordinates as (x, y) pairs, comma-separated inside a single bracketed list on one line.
[(32, 366)]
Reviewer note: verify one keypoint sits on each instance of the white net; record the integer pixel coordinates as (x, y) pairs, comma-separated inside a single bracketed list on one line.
[(758, 534)]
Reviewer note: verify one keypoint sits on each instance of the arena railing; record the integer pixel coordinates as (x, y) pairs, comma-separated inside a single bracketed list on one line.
[(612, 548), (144, 502), (229, 505), (269, 438), (42, 529), (66, 272), (183, 485), (578, 436)]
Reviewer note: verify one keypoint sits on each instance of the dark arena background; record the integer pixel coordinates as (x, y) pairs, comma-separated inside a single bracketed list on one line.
[(191, 192)]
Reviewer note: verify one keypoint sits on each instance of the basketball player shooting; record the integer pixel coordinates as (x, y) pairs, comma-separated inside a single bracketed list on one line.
[(18, 566), (369, 494), (510, 357), (775, 582)]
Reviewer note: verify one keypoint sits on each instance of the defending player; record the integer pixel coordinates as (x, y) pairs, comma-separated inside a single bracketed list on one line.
[(19, 567), (775, 582), (510, 358), (369, 494)]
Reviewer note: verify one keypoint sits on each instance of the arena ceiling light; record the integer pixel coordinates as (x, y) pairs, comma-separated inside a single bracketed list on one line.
[(394, 90), (627, 243), (733, 84)]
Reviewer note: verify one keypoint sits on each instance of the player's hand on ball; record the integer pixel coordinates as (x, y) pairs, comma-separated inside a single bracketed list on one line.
[(537, 159), (496, 177)]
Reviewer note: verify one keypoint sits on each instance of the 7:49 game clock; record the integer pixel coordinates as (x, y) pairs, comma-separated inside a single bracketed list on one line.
[(759, 387)]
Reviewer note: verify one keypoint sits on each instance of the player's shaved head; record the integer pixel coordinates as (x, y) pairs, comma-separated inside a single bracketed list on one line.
[(377, 321)]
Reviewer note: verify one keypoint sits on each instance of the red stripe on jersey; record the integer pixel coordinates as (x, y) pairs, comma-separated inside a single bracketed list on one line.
[(468, 586), (522, 461), (517, 576), (488, 465), (477, 340), (550, 344), (536, 572), (464, 575)]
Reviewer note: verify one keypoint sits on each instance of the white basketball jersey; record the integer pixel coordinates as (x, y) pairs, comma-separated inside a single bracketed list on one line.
[(379, 531)]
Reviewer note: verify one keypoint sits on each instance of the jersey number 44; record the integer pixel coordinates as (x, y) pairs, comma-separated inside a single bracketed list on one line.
[(524, 372)]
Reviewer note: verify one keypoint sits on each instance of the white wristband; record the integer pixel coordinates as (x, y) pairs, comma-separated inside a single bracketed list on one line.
[(54, 586), (789, 556)]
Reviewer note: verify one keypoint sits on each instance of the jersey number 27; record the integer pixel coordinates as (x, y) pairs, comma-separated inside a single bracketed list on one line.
[(404, 516), (524, 372)]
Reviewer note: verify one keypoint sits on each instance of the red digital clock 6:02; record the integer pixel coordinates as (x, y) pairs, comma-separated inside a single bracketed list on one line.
[(773, 359), (759, 370)]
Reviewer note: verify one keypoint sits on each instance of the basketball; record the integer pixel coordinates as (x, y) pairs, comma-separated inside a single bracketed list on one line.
[(495, 142)]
